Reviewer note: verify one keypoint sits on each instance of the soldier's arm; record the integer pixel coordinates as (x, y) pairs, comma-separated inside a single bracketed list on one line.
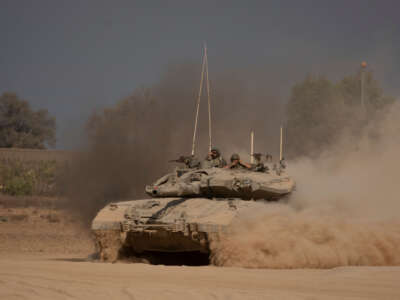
[(223, 162), (248, 166), (230, 165)]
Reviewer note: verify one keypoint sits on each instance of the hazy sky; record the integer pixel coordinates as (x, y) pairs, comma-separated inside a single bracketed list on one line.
[(73, 56)]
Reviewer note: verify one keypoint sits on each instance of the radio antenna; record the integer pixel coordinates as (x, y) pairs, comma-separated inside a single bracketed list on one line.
[(204, 73), (252, 147), (281, 146), (209, 100)]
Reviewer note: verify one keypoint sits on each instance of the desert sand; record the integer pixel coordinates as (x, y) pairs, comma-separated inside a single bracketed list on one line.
[(68, 277), (44, 255)]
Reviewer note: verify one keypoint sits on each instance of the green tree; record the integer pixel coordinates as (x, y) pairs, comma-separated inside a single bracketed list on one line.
[(22, 127), (319, 111), (312, 112), (350, 89)]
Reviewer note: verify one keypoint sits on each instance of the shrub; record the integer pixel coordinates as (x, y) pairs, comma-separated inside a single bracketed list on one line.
[(18, 186), (19, 178)]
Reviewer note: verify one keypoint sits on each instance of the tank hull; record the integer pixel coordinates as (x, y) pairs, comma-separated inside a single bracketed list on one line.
[(165, 224)]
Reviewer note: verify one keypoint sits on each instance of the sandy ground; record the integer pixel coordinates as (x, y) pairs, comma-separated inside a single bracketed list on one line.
[(62, 277), (43, 255)]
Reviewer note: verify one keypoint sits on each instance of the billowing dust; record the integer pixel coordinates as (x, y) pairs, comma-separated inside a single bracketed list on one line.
[(129, 145), (344, 211)]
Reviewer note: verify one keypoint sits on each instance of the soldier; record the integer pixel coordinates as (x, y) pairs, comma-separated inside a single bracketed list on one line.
[(268, 162), (190, 161), (259, 165), (282, 163), (236, 163), (214, 159)]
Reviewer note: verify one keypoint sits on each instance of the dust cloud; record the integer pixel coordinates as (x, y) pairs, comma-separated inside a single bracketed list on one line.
[(344, 211), (129, 145)]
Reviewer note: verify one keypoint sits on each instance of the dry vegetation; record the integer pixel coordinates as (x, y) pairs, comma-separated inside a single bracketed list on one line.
[(41, 225)]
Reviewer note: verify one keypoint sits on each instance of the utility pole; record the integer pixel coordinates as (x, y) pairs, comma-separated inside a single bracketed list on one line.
[(363, 67)]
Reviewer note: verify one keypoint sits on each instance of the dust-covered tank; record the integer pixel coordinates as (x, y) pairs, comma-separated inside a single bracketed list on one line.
[(189, 208)]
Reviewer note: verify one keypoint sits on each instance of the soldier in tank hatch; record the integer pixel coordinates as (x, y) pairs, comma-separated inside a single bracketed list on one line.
[(214, 159), (236, 163), (259, 165)]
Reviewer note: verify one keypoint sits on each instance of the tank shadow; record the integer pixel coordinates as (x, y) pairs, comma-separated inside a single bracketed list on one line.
[(90, 258), (192, 258), (84, 259)]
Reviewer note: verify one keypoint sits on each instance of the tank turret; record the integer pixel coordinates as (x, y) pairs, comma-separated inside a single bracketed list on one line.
[(223, 183)]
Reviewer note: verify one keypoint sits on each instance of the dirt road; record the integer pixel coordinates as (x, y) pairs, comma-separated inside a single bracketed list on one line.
[(68, 277)]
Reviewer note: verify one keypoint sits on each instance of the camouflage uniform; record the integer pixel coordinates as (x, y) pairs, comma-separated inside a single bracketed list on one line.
[(217, 162), (238, 165), (260, 167), (192, 163)]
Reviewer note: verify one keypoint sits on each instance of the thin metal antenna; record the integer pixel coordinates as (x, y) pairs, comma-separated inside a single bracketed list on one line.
[(209, 99), (281, 146), (252, 146), (198, 103)]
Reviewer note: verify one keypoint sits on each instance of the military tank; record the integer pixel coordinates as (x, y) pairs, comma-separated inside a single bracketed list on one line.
[(188, 209)]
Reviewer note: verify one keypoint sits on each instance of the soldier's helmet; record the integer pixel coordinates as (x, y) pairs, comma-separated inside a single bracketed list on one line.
[(216, 150), (235, 156)]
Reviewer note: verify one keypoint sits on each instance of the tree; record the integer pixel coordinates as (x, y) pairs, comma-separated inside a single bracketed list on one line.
[(350, 89), (312, 112), (319, 111), (22, 127)]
